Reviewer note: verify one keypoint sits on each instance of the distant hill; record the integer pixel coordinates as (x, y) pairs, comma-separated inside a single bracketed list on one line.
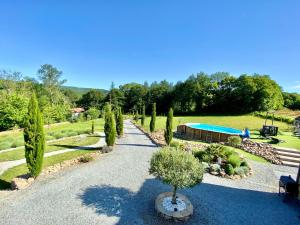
[(80, 91)]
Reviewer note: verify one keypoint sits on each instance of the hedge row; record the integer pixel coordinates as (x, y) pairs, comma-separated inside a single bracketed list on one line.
[(280, 118)]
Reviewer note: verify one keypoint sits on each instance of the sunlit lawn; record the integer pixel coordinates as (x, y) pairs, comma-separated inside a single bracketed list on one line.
[(56, 131), (50, 147), (9, 174)]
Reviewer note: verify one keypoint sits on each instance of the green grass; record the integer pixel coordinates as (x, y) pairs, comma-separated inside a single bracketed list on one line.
[(8, 175), (50, 147), (56, 131), (238, 121)]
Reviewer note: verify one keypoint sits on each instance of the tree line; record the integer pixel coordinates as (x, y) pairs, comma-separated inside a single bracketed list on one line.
[(220, 92)]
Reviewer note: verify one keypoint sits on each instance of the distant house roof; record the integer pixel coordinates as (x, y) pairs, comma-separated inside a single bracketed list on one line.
[(77, 110)]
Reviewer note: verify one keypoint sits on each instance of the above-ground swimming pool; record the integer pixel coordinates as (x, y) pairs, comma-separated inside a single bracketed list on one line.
[(208, 132)]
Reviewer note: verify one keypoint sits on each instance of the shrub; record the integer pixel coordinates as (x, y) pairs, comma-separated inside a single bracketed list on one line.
[(229, 169), (153, 118), (109, 127), (214, 151), (177, 168), (119, 122), (34, 138), (205, 166), (143, 115), (49, 137), (202, 156), (86, 158), (234, 160), (58, 135), (215, 168), (169, 127), (234, 141), (244, 163), (243, 170), (227, 152)]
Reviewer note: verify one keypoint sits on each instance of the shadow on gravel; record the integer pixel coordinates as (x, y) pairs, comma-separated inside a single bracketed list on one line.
[(213, 204), (78, 147), (134, 133)]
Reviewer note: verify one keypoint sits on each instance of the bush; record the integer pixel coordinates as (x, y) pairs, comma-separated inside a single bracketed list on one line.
[(205, 166), (229, 169), (153, 118), (169, 127), (86, 158), (109, 127), (177, 168), (215, 168), (119, 122), (227, 152), (244, 163), (234, 141), (202, 156), (243, 170), (214, 151), (234, 160)]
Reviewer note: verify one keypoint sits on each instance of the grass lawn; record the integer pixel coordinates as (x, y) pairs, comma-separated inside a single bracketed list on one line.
[(9, 174), (56, 131), (50, 147), (239, 121)]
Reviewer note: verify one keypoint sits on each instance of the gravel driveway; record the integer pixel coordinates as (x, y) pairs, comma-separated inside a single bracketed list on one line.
[(117, 189)]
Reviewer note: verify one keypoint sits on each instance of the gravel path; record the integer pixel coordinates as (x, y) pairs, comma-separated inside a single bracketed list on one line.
[(117, 189), (9, 164)]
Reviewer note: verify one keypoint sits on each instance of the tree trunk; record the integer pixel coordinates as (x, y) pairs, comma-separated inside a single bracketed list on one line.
[(174, 195)]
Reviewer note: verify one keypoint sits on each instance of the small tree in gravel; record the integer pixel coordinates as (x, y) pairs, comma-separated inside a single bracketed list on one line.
[(169, 127), (153, 118), (119, 122), (34, 138), (177, 168), (109, 127), (143, 115)]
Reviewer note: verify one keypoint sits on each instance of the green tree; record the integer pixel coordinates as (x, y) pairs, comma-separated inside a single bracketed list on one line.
[(91, 99), (177, 168), (143, 115), (93, 113), (34, 138), (169, 127), (93, 127), (119, 122), (109, 126), (153, 118)]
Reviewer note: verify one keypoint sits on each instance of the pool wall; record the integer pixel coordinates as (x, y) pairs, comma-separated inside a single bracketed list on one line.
[(204, 135)]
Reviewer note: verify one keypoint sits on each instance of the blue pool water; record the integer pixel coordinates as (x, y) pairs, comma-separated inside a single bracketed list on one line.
[(214, 128)]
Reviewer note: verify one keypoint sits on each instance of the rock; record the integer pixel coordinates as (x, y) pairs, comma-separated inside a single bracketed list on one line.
[(20, 183)]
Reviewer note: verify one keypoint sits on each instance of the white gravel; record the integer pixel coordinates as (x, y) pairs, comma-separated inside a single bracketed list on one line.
[(117, 189)]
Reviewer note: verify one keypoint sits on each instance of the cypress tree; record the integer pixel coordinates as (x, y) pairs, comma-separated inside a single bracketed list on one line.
[(34, 138), (136, 116), (109, 127), (153, 117), (169, 127), (119, 122), (93, 127), (143, 115)]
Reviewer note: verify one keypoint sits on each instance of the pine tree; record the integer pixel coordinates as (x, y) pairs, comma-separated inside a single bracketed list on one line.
[(169, 127), (153, 117), (143, 116), (119, 122), (34, 138), (109, 127)]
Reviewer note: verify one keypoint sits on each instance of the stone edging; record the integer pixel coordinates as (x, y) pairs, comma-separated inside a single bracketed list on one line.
[(147, 134)]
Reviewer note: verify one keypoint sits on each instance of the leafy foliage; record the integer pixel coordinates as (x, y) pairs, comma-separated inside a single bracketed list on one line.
[(169, 127), (234, 140), (109, 127), (176, 167), (229, 169), (93, 113), (34, 138), (234, 160), (153, 118), (119, 122)]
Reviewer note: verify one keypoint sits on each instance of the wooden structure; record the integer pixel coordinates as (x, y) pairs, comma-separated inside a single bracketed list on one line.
[(203, 135)]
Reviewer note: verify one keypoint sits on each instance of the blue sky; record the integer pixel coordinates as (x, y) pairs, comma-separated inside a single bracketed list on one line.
[(97, 42)]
